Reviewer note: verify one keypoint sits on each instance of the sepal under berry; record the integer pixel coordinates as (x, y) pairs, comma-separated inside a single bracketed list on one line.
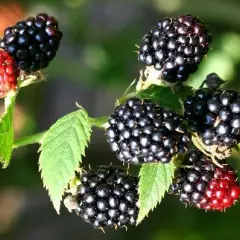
[(212, 81)]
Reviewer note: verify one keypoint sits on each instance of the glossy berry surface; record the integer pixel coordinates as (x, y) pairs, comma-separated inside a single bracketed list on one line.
[(215, 116), (107, 197), (33, 43), (141, 131), (175, 46), (204, 185), (8, 74)]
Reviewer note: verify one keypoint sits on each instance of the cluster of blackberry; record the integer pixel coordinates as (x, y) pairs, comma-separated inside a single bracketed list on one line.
[(215, 116), (140, 131), (204, 185), (175, 46), (31, 45), (107, 197)]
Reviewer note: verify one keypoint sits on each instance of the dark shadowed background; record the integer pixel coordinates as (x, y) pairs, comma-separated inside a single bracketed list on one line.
[(95, 63)]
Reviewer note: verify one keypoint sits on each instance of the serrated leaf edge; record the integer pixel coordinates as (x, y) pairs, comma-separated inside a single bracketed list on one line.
[(86, 117), (9, 103), (172, 169)]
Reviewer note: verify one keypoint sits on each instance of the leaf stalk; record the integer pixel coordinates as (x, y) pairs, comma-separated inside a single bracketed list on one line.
[(32, 139)]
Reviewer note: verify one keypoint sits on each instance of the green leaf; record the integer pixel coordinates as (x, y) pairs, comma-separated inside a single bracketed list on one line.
[(237, 147), (164, 96), (155, 180), (6, 130), (62, 149), (184, 92)]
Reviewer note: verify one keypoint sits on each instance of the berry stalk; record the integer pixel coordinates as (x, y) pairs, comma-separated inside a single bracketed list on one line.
[(124, 98), (99, 122)]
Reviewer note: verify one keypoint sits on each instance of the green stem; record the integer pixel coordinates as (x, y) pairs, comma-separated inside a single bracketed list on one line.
[(99, 121), (36, 138), (123, 99)]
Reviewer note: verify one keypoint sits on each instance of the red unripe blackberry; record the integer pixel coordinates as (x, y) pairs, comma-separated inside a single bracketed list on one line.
[(175, 46), (108, 197), (8, 74), (215, 116), (205, 185), (33, 43), (142, 131)]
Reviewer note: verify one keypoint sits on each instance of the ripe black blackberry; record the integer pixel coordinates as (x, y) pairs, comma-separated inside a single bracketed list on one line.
[(204, 185), (141, 131), (108, 197), (215, 116), (33, 43), (175, 46)]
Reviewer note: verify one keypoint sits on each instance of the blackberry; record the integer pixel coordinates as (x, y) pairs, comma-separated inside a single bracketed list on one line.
[(176, 46), (33, 43), (215, 116), (108, 197), (204, 185), (141, 131), (8, 74)]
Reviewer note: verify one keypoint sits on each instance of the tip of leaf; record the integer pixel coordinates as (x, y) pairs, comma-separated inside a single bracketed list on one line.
[(56, 179), (139, 221), (141, 218), (57, 207), (152, 177)]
